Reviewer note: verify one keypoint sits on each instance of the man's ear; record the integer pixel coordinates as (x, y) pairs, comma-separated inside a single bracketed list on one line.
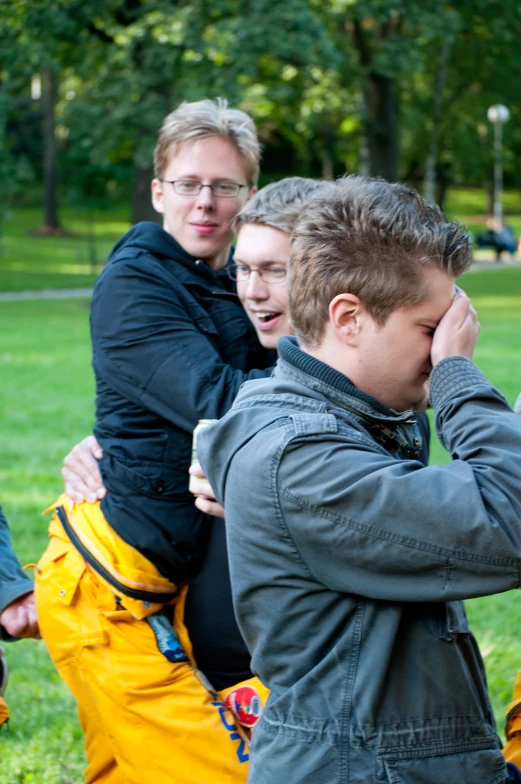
[(157, 195), (251, 192), (345, 314)]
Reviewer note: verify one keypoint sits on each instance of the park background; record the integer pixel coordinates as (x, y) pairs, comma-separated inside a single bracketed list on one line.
[(395, 89)]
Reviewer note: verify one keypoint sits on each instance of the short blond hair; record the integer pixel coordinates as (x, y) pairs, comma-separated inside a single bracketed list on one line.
[(370, 238), (278, 204), (202, 119)]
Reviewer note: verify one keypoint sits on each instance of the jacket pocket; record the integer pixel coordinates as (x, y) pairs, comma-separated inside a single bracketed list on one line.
[(483, 766), (152, 479)]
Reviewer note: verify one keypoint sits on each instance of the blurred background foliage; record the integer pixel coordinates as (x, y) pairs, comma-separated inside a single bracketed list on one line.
[(398, 89)]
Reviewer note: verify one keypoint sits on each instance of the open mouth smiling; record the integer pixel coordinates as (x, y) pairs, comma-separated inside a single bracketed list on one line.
[(266, 318)]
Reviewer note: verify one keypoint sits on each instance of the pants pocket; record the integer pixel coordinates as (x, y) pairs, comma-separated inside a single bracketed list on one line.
[(483, 766), (61, 568), (57, 577)]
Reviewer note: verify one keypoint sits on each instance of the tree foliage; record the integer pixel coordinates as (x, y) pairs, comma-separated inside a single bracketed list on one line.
[(332, 85)]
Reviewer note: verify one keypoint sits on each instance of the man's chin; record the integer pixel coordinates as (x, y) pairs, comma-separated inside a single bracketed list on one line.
[(266, 341), (424, 403)]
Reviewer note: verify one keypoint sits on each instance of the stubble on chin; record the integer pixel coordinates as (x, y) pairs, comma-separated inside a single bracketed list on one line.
[(425, 402)]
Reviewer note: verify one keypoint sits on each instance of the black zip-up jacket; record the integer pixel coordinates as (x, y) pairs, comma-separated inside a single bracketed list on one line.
[(171, 346)]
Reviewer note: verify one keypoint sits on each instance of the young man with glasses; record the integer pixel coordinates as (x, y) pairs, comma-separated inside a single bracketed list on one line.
[(171, 345)]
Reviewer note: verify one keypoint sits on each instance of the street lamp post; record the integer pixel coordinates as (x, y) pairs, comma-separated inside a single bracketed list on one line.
[(498, 115)]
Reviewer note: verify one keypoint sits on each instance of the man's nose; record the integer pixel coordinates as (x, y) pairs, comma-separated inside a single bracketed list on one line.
[(256, 288), (205, 197)]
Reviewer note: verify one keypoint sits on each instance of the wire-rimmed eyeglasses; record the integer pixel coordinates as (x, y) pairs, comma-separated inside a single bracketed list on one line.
[(221, 189), (271, 273)]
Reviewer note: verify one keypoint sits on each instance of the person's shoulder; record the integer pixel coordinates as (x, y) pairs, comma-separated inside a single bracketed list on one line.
[(296, 436), (138, 266), (145, 241)]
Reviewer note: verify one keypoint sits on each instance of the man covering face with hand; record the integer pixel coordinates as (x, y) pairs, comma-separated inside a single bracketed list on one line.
[(348, 556)]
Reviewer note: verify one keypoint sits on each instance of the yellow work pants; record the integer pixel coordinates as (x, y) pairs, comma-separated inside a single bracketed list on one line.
[(512, 748), (4, 711), (146, 720)]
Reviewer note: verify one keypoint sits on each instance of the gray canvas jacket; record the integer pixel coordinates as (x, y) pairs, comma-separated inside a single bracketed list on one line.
[(348, 561), (13, 581)]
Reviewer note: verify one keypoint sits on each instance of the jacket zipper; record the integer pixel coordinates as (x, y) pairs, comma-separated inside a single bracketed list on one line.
[(388, 432)]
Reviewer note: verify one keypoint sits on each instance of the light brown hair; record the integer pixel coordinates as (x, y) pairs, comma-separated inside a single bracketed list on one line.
[(278, 204), (202, 119), (370, 238)]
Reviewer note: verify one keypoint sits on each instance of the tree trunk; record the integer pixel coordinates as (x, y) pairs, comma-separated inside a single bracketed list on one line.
[(364, 156), (328, 153), (161, 85), (141, 207), (443, 181), (50, 152), (382, 126), (380, 96), (429, 184)]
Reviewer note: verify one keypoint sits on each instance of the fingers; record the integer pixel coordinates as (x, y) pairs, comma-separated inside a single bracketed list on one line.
[(31, 628), (457, 332), (201, 487), (458, 309), (196, 470), (81, 472), (28, 623), (92, 444), (19, 618), (209, 507)]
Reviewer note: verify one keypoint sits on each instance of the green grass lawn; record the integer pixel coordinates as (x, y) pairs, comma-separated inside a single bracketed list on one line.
[(33, 262), (462, 202), (46, 405)]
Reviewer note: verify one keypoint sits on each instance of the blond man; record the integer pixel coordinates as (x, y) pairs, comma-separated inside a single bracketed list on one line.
[(171, 345)]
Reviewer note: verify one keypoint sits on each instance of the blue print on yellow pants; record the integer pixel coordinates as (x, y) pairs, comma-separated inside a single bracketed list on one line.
[(231, 729)]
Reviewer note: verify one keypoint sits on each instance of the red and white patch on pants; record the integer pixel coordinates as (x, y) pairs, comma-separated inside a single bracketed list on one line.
[(245, 704)]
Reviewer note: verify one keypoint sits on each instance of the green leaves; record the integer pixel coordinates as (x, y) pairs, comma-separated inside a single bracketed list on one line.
[(318, 76)]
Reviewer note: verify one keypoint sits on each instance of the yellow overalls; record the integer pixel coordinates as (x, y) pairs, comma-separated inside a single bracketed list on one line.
[(147, 714), (512, 748)]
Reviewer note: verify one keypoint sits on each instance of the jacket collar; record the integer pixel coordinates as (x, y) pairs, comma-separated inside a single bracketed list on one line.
[(152, 238)]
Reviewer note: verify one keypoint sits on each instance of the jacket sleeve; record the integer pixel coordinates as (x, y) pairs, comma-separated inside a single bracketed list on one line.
[(155, 353), (13, 581), (396, 530)]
